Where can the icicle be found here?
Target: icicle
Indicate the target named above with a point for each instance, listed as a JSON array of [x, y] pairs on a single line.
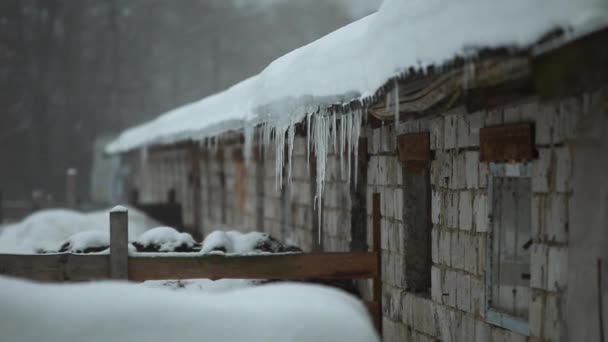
[[248, 144], [308, 133], [279, 138], [342, 144], [290, 139], [334, 128], [349, 129]]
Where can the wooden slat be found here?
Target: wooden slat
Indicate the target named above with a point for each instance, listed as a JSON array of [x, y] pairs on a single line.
[[55, 267], [513, 142], [414, 147], [356, 265]]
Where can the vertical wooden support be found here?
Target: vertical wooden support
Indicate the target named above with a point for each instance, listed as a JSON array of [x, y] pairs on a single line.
[[1, 207], [70, 189], [358, 195], [377, 282], [195, 179], [119, 243]]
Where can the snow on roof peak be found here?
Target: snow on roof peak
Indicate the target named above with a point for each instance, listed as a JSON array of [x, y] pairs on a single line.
[[355, 61]]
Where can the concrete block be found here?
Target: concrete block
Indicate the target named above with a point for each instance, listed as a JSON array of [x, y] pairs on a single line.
[[480, 212], [436, 198], [494, 117], [465, 328], [465, 217], [436, 133], [557, 270], [545, 124], [538, 266], [537, 216], [391, 302], [556, 218], [463, 300], [563, 169], [450, 129], [450, 288], [445, 247], [478, 304], [476, 122], [569, 114], [436, 284], [452, 209], [423, 319], [540, 171], [435, 245], [462, 131], [554, 327], [483, 175], [481, 253], [472, 169], [536, 313], [512, 114], [458, 179], [470, 253], [482, 331]]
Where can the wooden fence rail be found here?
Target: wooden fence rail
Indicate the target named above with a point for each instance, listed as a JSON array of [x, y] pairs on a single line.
[[119, 265]]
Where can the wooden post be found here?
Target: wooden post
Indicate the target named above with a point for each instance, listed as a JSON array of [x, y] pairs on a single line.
[[1, 207], [376, 222], [70, 189], [119, 243]]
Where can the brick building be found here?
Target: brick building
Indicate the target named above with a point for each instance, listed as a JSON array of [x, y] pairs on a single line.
[[491, 174]]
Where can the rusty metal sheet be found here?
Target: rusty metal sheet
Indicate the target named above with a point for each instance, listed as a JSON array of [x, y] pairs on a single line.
[[414, 147], [513, 142]]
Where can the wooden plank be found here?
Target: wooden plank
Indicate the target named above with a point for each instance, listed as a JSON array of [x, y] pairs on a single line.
[[119, 243], [356, 265], [377, 282], [414, 147], [513, 142], [55, 267]]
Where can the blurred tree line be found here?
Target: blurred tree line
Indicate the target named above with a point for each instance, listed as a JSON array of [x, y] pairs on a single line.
[[74, 70]]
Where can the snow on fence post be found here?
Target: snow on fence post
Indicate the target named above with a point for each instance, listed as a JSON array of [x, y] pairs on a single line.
[[119, 243]]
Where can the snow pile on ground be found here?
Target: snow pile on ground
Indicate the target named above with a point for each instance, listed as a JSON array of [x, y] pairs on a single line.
[[235, 242], [89, 241], [164, 239], [110, 311], [48, 230]]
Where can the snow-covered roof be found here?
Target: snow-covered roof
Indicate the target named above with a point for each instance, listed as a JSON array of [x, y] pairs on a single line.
[[352, 63]]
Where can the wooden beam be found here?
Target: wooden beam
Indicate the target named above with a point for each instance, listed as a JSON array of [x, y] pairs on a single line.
[[360, 265], [55, 267], [414, 147], [506, 143]]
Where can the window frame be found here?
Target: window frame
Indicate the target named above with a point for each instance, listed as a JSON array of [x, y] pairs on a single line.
[[494, 316]]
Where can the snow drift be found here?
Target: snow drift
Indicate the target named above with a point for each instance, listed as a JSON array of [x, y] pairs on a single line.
[[110, 311], [48, 230]]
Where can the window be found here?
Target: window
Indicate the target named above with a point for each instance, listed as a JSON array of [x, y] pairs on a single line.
[[508, 276]]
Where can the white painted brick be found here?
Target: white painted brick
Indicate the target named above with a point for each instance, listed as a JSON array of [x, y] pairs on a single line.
[[452, 209], [465, 211], [476, 122], [472, 169], [563, 169], [538, 266], [480, 213], [435, 207], [436, 133], [540, 171], [555, 219], [557, 271], [458, 179]]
